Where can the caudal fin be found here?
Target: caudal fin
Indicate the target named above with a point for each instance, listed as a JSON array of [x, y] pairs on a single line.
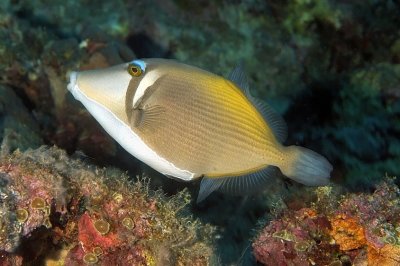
[[306, 166]]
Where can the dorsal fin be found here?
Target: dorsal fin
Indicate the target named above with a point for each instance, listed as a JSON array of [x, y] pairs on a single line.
[[237, 185], [273, 119], [238, 76]]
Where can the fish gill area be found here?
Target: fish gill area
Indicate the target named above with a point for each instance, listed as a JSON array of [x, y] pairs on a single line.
[[70, 195]]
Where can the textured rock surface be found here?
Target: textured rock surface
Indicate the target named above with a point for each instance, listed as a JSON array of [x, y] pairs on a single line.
[[57, 209], [354, 229]]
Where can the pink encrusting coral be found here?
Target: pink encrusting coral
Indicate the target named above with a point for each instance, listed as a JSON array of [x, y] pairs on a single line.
[[294, 239], [358, 229], [33, 201], [64, 212]]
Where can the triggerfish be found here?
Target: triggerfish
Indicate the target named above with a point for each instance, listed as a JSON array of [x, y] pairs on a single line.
[[188, 123]]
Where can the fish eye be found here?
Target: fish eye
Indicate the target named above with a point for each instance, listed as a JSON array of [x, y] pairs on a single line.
[[134, 70]]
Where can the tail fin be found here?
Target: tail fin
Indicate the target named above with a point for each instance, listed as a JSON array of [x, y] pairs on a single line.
[[306, 166]]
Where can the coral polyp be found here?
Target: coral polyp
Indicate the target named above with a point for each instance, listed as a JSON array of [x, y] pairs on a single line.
[[128, 223], [38, 203], [117, 197], [98, 251], [22, 215], [102, 226], [390, 239], [302, 246], [90, 258]]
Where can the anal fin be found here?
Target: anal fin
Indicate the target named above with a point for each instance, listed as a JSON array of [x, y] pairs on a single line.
[[238, 185]]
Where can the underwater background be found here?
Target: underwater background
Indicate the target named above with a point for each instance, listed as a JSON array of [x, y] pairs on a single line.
[[70, 195]]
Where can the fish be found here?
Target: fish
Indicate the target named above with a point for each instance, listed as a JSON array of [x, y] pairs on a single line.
[[188, 123]]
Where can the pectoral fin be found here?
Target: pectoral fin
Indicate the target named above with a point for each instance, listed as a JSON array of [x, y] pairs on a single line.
[[148, 117], [146, 113]]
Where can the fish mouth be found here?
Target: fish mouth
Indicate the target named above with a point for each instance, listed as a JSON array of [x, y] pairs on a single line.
[[72, 86]]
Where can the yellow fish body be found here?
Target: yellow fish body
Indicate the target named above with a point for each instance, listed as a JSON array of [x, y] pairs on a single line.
[[188, 123]]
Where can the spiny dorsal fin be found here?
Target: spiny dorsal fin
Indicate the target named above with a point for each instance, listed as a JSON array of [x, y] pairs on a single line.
[[273, 119], [238, 185]]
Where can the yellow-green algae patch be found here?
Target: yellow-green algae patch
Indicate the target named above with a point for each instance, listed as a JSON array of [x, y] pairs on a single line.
[[47, 223], [285, 235]]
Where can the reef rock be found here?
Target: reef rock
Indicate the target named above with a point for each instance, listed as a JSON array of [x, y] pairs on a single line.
[[357, 229], [55, 209]]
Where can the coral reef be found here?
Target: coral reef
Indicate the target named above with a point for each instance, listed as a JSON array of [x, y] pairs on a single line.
[[58, 210], [357, 229]]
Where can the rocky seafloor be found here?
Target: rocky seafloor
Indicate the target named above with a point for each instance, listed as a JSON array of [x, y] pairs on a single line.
[[331, 68]]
